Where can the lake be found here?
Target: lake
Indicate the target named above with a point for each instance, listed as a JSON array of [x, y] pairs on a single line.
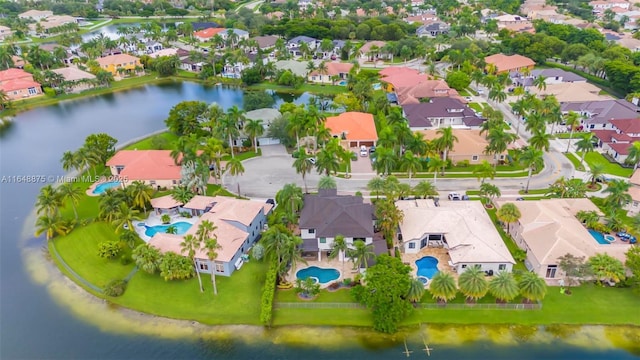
[[42, 316]]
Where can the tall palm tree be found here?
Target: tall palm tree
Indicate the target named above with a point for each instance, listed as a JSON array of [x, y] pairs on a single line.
[[360, 254], [540, 82], [410, 163], [509, 213], [443, 287], [572, 119], [182, 194], [376, 185], [291, 198], [416, 291], [327, 160], [385, 160], [212, 247], [70, 193], [472, 283], [303, 166], [146, 258], [69, 161], [446, 141], [190, 245], [327, 182], [339, 248], [389, 218], [532, 286], [499, 141], [540, 140], [503, 286], [425, 189], [230, 124], [484, 170], [49, 201], [531, 158], [235, 168], [125, 216], [634, 155], [489, 191], [585, 145], [618, 194], [596, 171], [434, 165], [140, 193], [51, 225], [254, 129]]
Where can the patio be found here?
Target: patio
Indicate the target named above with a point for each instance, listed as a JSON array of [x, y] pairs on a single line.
[[325, 263], [439, 253], [156, 219]]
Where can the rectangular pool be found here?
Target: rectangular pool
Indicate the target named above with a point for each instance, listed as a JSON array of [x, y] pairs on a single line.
[[598, 237]]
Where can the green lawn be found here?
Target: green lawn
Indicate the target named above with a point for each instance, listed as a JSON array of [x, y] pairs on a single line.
[[147, 144], [576, 136], [594, 157], [464, 92], [476, 106], [312, 88], [575, 161], [534, 191], [338, 296], [237, 302], [79, 250], [213, 190]]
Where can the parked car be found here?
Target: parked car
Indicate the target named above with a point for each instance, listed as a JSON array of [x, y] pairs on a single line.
[[455, 196], [372, 149], [363, 151], [312, 160]]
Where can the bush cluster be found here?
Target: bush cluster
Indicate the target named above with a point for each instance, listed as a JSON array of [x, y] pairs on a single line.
[[268, 293], [115, 288]]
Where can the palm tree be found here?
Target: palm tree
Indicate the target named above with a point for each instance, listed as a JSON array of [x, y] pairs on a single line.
[[212, 247], [472, 283], [140, 194], [327, 182], [69, 161], [190, 245], [443, 287], [182, 194], [339, 248], [376, 185], [508, 214], [540, 82], [70, 193], [361, 253], [445, 142], [503, 286], [228, 125], [588, 218], [532, 287], [499, 141], [484, 170], [49, 201], [634, 155], [489, 191], [385, 160], [291, 198], [532, 159], [596, 171], [540, 140], [146, 258], [51, 225], [434, 165], [125, 216], [291, 255], [425, 189], [327, 160], [416, 291], [572, 119], [303, 166], [235, 168], [410, 164], [389, 218], [618, 191], [254, 129], [585, 145]]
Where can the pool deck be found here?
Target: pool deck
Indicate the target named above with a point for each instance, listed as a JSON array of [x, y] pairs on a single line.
[[102, 180], [439, 253], [155, 219], [327, 264]]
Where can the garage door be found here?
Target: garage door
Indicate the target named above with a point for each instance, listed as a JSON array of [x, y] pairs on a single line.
[[366, 143], [268, 141]]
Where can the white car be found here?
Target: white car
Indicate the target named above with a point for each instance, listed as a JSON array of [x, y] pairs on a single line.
[[312, 160], [363, 151], [455, 196]]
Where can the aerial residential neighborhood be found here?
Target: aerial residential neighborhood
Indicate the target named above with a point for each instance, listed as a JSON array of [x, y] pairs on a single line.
[[367, 166]]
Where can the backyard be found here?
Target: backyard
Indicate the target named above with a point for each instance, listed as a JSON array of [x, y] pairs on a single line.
[[594, 157]]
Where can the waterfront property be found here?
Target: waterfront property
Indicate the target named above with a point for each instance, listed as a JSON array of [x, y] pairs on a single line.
[[153, 167], [19, 84], [549, 229], [326, 215], [411, 87], [334, 72], [120, 64], [76, 80], [354, 129], [323, 276], [238, 226]]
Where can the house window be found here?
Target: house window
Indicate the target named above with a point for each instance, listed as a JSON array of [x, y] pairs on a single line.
[[152, 182], [412, 245], [323, 240], [219, 268], [551, 271], [502, 267], [32, 91], [312, 231], [464, 266], [474, 158], [204, 266]]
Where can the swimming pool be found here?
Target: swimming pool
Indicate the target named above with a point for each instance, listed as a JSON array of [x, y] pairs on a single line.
[[600, 238], [377, 86], [343, 83], [101, 188], [427, 267], [323, 275], [181, 228]]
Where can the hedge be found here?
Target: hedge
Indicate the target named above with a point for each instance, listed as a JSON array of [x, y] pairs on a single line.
[[268, 293]]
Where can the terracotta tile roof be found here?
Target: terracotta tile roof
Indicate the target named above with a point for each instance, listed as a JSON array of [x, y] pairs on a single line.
[[165, 202], [18, 84], [335, 68], [402, 78], [635, 193], [146, 165], [426, 89], [508, 62], [117, 59], [355, 125], [73, 74], [469, 143], [208, 33], [12, 74], [635, 178], [627, 125], [367, 46], [620, 148]]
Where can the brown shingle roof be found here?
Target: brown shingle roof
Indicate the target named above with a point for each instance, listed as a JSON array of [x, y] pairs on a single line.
[[331, 214]]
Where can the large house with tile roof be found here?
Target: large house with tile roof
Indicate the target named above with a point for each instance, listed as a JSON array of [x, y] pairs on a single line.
[[549, 229], [462, 227], [208, 33], [326, 215], [238, 226], [509, 63], [410, 86], [471, 146], [596, 115], [76, 79], [119, 64], [18, 84], [617, 140], [354, 129], [441, 112], [153, 167], [336, 71]]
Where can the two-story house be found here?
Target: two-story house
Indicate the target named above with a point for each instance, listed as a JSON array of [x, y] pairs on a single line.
[[441, 112], [19, 84], [120, 64], [617, 140], [153, 167], [294, 44], [596, 115], [335, 72], [326, 215]]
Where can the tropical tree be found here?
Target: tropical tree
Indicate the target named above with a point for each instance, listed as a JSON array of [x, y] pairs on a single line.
[[290, 197], [618, 194], [443, 287], [191, 245], [125, 216], [376, 185], [540, 82], [303, 166], [182, 194], [140, 193], [634, 155], [229, 125], [339, 248], [531, 158], [385, 160], [585, 145], [51, 225], [147, 258], [508, 213], [327, 182], [472, 283], [532, 287], [254, 128], [503, 287], [49, 201], [425, 189], [595, 173], [416, 291], [607, 268], [540, 140], [445, 142], [434, 165], [572, 119], [499, 141], [410, 163], [290, 255], [235, 169], [489, 192], [484, 170], [327, 160], [389, 218], [72, 194], [211, 246], [574, 267], [588, 218], [360, 254]]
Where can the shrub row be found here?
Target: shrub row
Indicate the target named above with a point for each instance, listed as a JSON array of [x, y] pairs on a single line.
[[268, 293]]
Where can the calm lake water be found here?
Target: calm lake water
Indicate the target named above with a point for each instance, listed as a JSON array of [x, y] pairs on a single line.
[[37, 320]]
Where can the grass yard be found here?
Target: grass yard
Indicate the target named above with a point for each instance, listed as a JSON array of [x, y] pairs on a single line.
[[213, 190], [576, 135], [148, 143], [237, 302], [339, 296], [464, 92], [534, 191], [476, 106], [575, 161], [594, 157], [79, 250]]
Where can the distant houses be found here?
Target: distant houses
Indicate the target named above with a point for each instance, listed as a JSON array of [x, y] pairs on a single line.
[[509, 63], [616, 141], [18, 84]]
